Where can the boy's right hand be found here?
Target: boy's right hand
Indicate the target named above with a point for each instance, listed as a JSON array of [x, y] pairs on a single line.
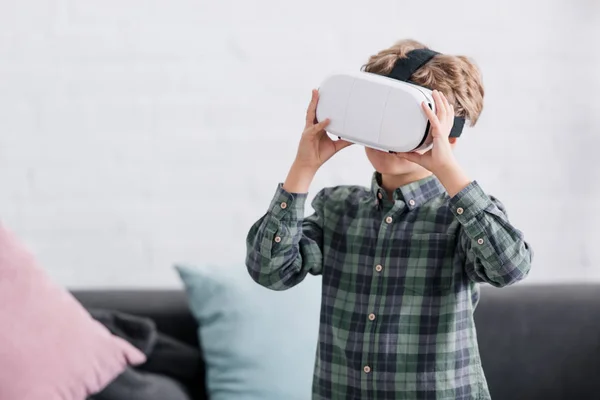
[[315, 146], [314, 150]]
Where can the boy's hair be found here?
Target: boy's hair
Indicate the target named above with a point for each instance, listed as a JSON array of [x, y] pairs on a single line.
[[456, 76]]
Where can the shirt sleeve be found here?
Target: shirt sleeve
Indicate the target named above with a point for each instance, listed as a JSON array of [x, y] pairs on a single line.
[[494, 250], [282, 247]]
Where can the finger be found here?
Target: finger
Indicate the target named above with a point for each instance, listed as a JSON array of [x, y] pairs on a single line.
[[312, 108], [451, 112], [449, 108], [319, 127], [341, 144], [440, 107], [451, 117], [430, 114]]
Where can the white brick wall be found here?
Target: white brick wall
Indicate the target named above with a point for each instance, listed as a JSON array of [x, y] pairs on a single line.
[[138, 133]]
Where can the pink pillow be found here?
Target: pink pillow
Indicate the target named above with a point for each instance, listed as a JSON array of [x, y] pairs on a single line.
[[50, 347]]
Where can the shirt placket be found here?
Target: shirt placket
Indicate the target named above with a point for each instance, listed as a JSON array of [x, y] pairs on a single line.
[[376, 296]]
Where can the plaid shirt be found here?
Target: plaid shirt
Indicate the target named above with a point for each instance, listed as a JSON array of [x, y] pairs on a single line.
[[399, 283]]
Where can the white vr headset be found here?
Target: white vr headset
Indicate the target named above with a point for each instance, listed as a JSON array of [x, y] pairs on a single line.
[[381, 112]]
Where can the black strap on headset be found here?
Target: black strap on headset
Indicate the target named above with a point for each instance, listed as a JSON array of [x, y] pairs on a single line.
[[414, 60], [406, 67]]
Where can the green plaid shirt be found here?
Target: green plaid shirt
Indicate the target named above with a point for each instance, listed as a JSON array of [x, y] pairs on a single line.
[[399, 283]]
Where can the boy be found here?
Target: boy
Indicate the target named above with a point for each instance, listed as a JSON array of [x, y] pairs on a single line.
[[401, 261]]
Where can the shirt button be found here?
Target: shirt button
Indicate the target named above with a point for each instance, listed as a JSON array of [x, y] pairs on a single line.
[[277, 239], [378, 268], [367, 369], [284, 205], [480, 241], [380, 196], [412, 202], [388, 220], [372, 317], [459, 210]]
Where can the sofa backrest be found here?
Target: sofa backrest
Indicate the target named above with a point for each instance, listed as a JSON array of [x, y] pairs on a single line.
[[540, 341], [536, 341]]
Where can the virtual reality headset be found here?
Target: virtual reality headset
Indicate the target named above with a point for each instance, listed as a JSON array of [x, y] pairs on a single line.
[[382, 112]]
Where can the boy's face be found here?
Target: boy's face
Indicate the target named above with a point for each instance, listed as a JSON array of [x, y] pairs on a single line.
[[389, 164]]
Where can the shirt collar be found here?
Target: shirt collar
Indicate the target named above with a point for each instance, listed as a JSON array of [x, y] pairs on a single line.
[[413, 194]]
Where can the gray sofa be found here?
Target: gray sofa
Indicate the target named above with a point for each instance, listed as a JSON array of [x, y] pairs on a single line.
[[537, 342]]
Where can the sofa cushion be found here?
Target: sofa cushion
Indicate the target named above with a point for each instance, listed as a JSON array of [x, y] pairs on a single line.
[[50, 347], [257, 343], [169, 310]]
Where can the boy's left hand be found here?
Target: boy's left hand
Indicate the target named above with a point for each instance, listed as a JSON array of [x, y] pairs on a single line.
[[440, 159], [441, 156]]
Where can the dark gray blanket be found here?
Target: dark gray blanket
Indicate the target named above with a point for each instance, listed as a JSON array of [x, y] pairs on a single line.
[[170, 368]]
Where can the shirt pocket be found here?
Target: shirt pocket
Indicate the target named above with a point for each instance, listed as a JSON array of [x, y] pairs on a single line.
[[426, 262]]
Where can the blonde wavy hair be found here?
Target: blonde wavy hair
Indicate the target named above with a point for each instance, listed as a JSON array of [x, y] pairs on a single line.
[[456, 76]]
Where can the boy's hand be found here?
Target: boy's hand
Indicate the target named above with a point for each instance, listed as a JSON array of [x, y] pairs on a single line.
[[441, 156], [440, 159], [315, 146], [314, 150]]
